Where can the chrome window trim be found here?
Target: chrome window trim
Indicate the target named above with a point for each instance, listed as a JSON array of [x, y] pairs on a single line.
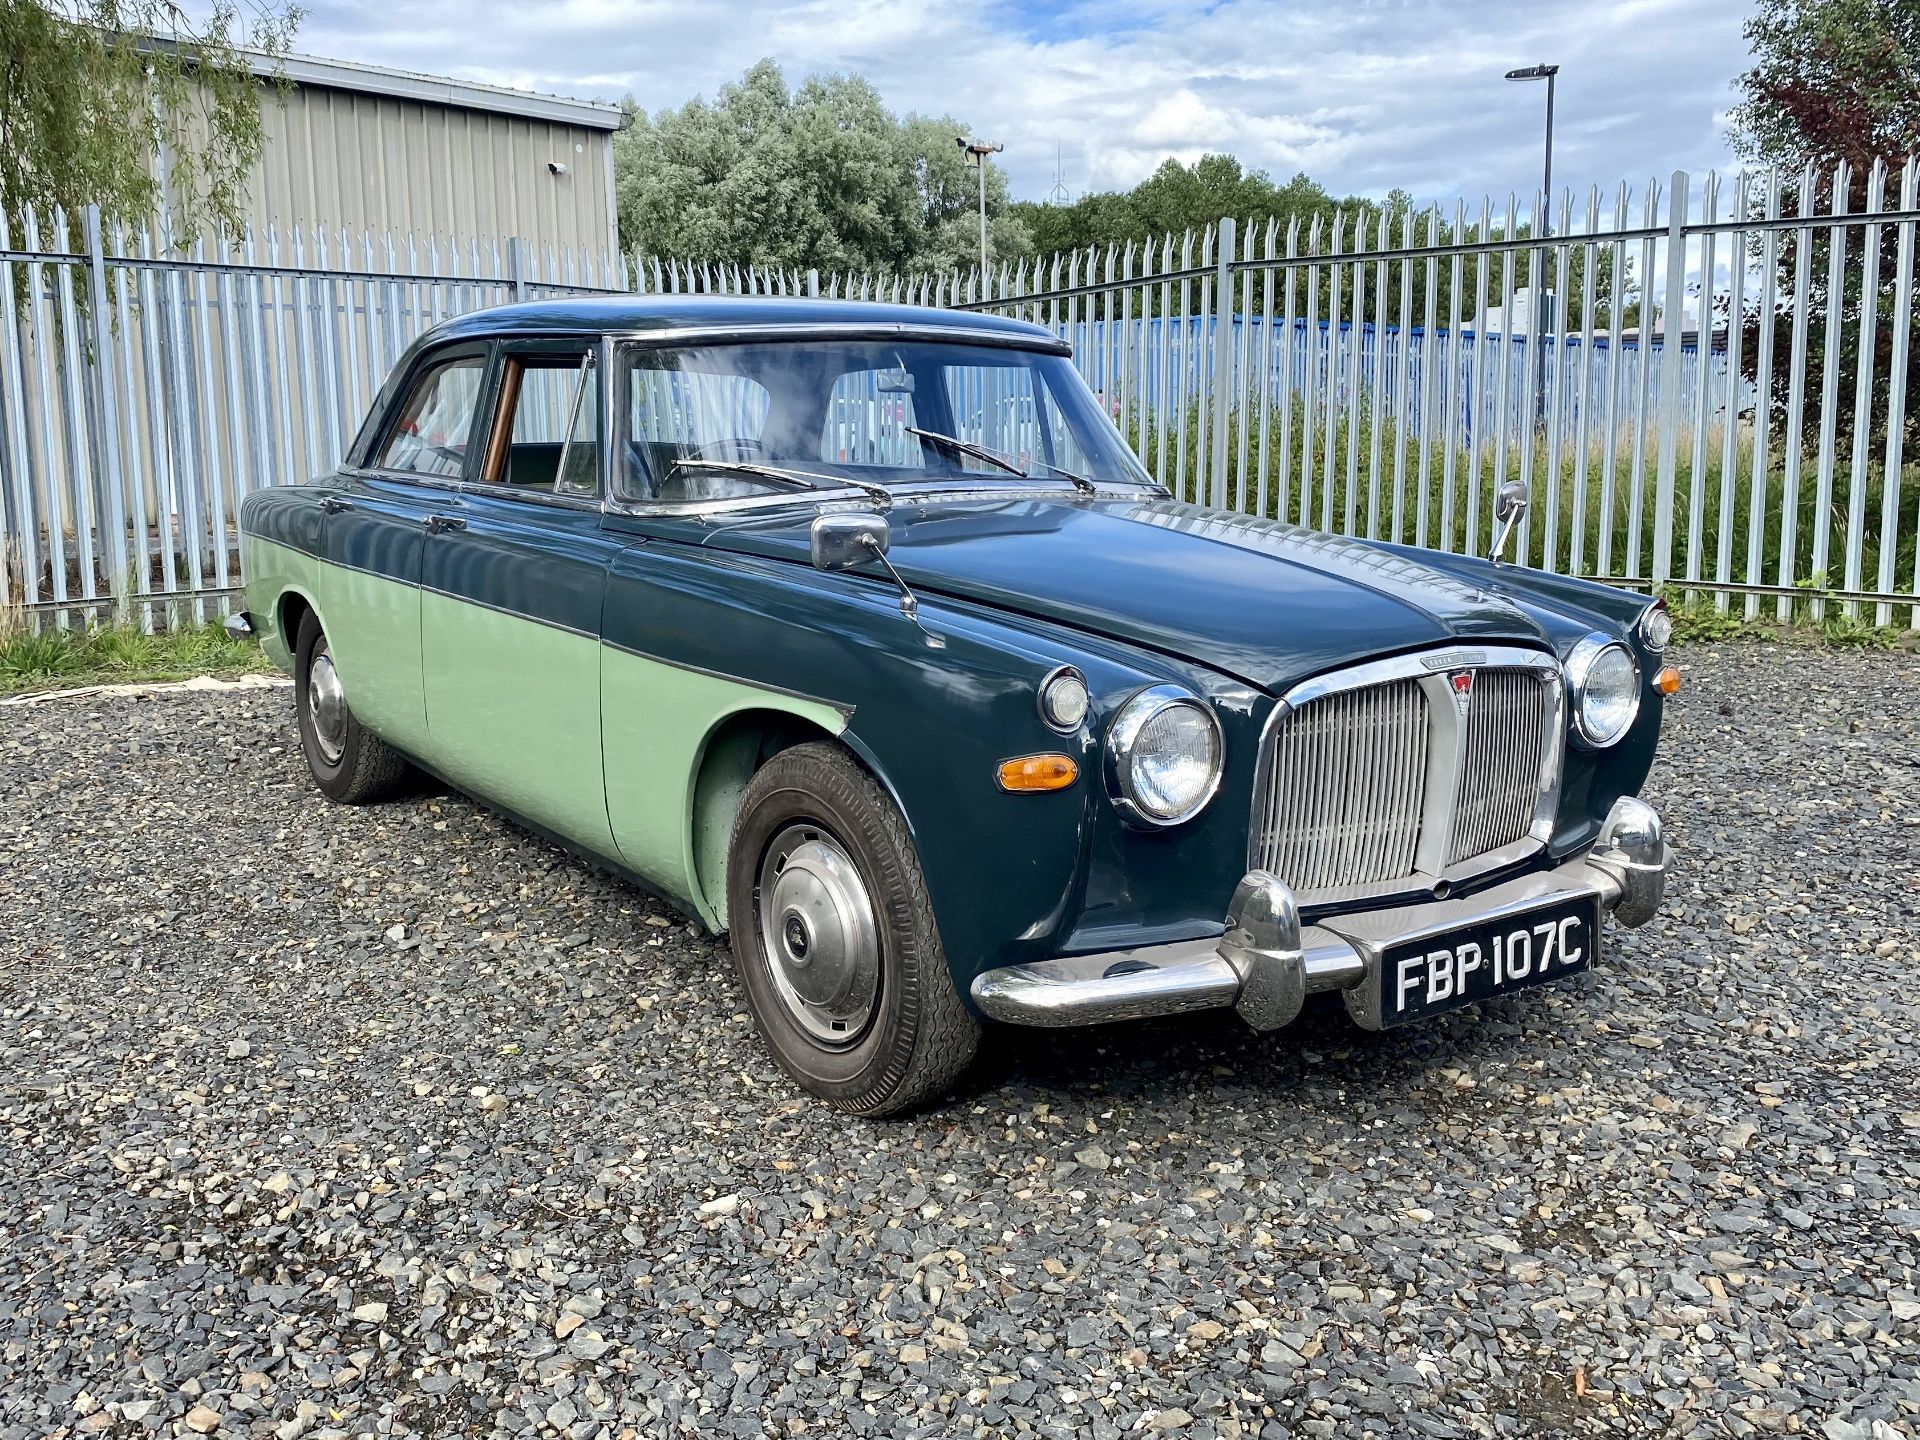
[[477, 487], [1128, 719], [679, 335], [1431, 667], [919, 490], [619, 502]]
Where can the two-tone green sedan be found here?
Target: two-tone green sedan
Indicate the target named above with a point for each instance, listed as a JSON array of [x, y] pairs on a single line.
[[857, 632]]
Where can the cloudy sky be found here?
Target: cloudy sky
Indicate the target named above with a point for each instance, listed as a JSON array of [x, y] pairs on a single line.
[[1363, 95]]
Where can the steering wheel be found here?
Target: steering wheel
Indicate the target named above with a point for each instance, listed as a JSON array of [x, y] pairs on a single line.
[[730, 448]]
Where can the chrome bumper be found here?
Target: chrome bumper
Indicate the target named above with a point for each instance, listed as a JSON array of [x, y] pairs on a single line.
[[1267, 963]]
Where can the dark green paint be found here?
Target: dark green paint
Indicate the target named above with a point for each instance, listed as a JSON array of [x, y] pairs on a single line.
[[1133, 592]]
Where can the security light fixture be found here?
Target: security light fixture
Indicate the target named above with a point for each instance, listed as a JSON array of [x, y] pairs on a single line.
[[977, 152], [1546, 73]]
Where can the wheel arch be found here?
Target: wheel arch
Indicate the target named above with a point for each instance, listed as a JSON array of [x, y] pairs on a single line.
[[733, 750], [289, 607]]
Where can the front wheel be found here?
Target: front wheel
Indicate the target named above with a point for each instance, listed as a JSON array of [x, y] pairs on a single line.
[[834, 939], [349, 762]]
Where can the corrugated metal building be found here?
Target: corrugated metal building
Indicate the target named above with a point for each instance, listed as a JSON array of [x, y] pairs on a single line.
[[362, 148]]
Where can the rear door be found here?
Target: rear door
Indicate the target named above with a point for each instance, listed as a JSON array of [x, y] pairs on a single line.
[[375, 533], [514, 574]]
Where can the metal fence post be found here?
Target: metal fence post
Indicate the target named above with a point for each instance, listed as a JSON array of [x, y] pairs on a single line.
[[813, 283], [1222, 358], [1672, 331], [517, 267], [111, 512]]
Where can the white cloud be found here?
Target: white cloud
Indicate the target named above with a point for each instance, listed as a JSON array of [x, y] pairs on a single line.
[[1363, 95]]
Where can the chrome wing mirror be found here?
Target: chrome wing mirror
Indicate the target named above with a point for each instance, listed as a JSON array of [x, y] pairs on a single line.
[[849, 539], [840, 542], [1508, 508]]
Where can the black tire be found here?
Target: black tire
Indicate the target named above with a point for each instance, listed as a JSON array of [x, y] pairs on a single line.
[[919, 1037], [366, 768]]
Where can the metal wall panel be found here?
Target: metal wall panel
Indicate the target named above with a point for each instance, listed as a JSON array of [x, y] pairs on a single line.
[[339, 159]]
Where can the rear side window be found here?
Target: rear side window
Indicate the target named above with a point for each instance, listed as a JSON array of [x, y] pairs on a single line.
[[431, 435]]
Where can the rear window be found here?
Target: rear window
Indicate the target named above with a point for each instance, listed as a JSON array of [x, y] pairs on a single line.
[[436, 423]]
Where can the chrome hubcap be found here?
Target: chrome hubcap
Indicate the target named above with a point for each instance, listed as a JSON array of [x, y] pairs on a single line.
[[818, 929], [326, 707]]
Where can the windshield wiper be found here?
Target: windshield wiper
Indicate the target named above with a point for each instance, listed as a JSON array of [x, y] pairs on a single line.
[[779, 472], [992, 457]]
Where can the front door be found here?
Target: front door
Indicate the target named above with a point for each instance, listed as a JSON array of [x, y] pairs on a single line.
[[375, 534], [513, 577]]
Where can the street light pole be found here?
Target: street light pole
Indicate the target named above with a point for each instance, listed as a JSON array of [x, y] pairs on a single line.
[[1538, 288], [976, 152]]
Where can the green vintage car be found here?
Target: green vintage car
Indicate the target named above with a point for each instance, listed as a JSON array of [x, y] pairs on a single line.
[[857, 632]]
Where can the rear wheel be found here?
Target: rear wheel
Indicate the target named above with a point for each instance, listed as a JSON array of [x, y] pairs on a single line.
[[348, 761], [834, 938]]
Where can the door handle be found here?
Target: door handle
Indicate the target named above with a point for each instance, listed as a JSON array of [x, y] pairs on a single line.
[[440, 524], [333, 505]]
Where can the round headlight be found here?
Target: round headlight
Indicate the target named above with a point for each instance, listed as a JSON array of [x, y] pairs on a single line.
[[1656, 627], [1604, 682], [1063, 700], [1164, 755]]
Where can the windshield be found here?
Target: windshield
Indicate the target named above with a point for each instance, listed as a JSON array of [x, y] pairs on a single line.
[[706, 422]]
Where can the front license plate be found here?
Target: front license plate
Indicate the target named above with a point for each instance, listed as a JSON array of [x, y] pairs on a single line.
[[1437, 973]]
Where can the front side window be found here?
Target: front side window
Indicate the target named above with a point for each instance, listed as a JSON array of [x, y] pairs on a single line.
[[711, 422], [545, 432], [431, 435]]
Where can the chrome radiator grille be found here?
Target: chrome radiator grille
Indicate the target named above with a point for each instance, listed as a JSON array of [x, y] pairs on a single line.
[[1500, 779], [1348, 778], [1383, 782]]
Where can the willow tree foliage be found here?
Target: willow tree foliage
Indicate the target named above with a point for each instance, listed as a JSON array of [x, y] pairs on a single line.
[[93, 92], [821, 176]]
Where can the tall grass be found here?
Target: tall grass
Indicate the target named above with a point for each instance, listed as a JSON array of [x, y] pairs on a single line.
[[1419, 493], [47, 659]]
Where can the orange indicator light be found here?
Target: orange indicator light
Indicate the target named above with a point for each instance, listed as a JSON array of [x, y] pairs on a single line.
[[1667, 682], [1038, 772]]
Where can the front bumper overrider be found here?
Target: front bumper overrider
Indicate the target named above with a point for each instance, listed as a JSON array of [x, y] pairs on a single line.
[[1267, 962]]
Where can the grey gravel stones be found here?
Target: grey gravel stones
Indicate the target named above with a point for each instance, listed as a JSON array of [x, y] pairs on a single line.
[[325, 1122]]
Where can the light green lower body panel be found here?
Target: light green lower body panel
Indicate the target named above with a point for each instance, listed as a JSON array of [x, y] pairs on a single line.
[[273, 571], [521, 715], [513, 714], [373, 632], [672, 801]]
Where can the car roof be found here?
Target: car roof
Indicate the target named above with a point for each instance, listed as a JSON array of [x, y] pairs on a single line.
[[644, 314]]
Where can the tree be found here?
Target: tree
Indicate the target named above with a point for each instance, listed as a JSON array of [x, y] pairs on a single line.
[[1833, 82], [1174, 199], [92, 91], [819, 177], [1179, 198]]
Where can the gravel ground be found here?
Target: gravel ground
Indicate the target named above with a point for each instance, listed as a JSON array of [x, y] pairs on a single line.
[[333, 1122]]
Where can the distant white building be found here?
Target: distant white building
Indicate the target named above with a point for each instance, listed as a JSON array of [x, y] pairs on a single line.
[[1494, 321]]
